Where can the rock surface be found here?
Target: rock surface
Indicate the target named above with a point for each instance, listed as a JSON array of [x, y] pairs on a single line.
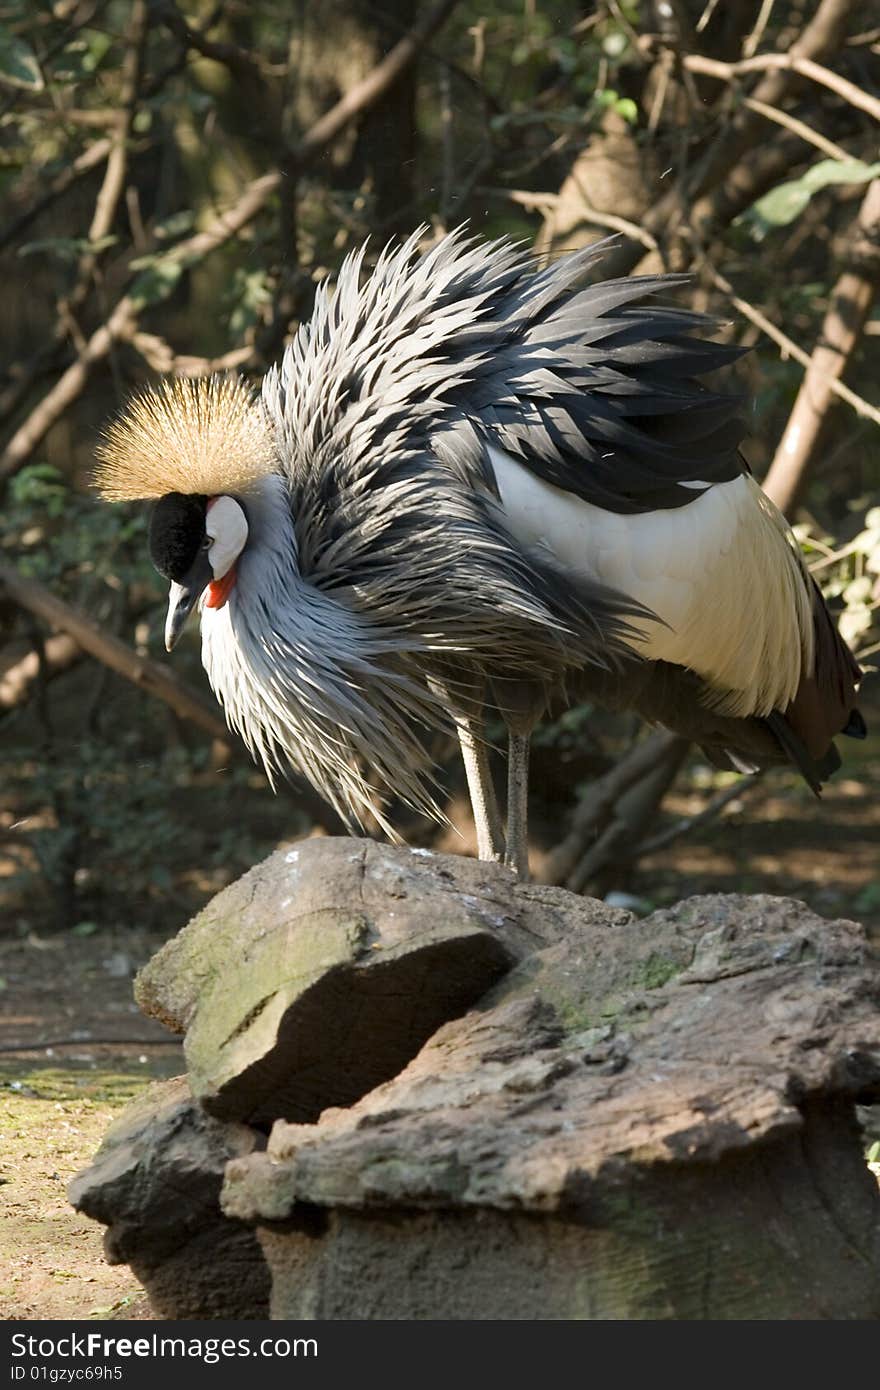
[[675, 1039], [322, 971], [155, 1184], [648, 1119], [500, 1100]]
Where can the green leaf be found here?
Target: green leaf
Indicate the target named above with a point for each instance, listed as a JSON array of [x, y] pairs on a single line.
[[172, 228], [624, 106], [157, 281], [18, 63], [97, 45], [41, 487], [248, 294], [787, 201], [839, 171], [67, 248]]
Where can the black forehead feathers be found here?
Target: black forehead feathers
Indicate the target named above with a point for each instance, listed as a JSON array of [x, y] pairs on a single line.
[[177, 530]]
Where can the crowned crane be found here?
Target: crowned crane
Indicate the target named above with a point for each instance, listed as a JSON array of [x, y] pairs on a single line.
[[471, 484]]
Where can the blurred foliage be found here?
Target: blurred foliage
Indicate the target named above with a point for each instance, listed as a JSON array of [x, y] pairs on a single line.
[[783, 204], [114, 803], [850, 573], [60, 537]]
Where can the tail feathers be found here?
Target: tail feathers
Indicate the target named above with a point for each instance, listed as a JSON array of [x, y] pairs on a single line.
[[814, 770], [673, 696], [855, 726], [824, 705]]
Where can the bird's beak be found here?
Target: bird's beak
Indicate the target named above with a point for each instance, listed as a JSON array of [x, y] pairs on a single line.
[[183, 597]]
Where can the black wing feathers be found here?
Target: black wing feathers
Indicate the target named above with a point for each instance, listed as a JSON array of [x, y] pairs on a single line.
[[598, 393]]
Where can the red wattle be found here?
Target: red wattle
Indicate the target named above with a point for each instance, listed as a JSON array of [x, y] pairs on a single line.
[[220, 589]]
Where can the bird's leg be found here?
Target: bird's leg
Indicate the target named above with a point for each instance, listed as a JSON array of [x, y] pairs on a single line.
[[487, 818], [521, 704], [475, 756], [517, 856]]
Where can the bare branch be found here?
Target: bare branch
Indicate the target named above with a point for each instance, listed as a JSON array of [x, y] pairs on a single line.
[[597, 807], [66, 389], [753, 40], [547, 201], [800, 128], [739, 789], [238, 60], [368, 91], [523, 197], [836, 337], [59, 652], [787, 63], [58, 186], [633, 811], [117, 164], [140, 670], [848, 308], [702, 197], [160, 355], [116, 150], [122, 321], [113, 183]]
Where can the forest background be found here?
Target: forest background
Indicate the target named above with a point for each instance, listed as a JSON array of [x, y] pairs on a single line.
[[176, 179]]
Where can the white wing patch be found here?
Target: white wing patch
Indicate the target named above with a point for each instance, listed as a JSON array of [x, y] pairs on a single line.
[[721, 573]]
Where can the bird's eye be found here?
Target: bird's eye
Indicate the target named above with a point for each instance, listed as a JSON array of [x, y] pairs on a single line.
[[207, 543]]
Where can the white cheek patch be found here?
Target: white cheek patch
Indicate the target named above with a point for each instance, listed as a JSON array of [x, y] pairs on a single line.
[[226, 527]]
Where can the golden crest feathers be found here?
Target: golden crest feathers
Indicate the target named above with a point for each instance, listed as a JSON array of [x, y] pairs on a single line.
[[204, 435]]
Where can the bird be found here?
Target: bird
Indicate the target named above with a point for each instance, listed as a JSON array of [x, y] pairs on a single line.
[[474, 485]]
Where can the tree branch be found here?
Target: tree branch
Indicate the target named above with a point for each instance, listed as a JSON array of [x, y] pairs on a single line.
[[122, 321], [239, 61], [140, 670], [16, 681], [66, 178], [66, 389], [686, 824], [632, 812], [596, 809], [786, 63], [113, 182], [806, 132], [376, 83], [849, 306], [694, 207], [789, 347]]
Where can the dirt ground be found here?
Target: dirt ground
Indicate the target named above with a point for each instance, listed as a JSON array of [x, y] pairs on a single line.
[[82, 1052], [74, 1048]]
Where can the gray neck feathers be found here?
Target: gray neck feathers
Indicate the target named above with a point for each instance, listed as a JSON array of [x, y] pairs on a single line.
[[307, 683], [326, 654], [379, 561]]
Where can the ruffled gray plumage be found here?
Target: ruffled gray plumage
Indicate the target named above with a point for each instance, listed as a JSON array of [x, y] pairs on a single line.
[[399, 569]]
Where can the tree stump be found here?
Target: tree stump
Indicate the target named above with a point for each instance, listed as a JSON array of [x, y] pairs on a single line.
[[617, 1118]]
